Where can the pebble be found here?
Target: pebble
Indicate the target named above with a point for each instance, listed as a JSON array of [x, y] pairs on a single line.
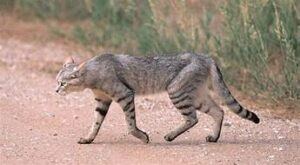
[[227, 124], [280, 137], [49, 114], [271, 157], [75, 117], [55, 134]]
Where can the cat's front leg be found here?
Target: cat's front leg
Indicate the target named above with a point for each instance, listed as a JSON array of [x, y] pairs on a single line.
[[99, 115]]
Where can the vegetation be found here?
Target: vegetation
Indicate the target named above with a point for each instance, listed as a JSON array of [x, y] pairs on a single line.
[[257, 41]]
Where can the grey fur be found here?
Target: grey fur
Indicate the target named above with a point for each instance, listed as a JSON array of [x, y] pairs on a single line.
[[120, 77]]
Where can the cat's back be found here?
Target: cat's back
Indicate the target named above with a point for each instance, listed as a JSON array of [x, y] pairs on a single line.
[[144, 74], [152, 74]]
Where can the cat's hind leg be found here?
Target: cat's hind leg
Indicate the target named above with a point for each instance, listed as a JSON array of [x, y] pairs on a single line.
[[182, 100], [210, 107]]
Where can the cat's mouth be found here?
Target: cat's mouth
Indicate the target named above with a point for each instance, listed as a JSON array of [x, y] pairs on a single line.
[[60, 89], [62, 93], [64, 89]]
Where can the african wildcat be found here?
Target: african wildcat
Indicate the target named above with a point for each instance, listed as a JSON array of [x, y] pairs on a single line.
[[120, 77]]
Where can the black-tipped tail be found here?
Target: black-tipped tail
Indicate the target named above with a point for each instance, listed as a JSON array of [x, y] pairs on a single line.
[[254, 118], [223, 91]]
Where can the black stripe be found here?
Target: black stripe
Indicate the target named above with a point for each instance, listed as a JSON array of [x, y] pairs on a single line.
[[131, 110], [182, 91], [187, 113], [239, 110], [226, 93], [190, 90], [199, 107], [231, 102], [219, 72], [98, 99], [125, 82], [207, 110], [102, 111], [247, 114], [127, 106], [184, 106], [199, 80], [180, 99], [112, 95], [173, 96], [124, 97]]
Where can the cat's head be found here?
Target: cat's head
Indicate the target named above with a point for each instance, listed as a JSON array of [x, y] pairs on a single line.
[[69, 78]]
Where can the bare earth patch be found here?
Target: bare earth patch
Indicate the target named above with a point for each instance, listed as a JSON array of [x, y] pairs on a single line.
[[39, 127]]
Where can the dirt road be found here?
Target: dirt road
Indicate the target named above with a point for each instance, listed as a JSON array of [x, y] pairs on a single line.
[[39, 127]]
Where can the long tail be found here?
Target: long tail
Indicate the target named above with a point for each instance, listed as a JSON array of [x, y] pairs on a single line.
[[222, 90]]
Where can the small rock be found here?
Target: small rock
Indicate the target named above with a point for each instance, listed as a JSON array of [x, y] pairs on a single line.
[[55, 134], [280, 137], [271, 157], [49, 114], [227, 124], [30, 129], [280, 149], [75, 117]]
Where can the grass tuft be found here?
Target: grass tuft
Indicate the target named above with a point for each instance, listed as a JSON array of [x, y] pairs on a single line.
[[256, 41]]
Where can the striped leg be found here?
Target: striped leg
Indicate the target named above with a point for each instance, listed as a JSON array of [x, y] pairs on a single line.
[[183, 103], [211, 108], [126, 101], [99, 115]]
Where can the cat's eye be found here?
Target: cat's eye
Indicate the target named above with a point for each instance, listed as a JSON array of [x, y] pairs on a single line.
[[63, 83]]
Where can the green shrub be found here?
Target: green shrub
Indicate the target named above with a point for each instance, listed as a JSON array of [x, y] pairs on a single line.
[[257, 41], [261, 36]]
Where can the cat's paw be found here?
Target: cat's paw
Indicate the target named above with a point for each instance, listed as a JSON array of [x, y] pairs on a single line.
[[210, 138], [146, 138], [84, 141], [143, 136], [169, 137]]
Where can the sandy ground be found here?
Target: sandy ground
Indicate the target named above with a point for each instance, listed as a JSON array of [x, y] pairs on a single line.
[[39, 127]]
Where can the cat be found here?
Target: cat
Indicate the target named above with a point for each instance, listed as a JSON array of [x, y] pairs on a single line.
[[185, 77]]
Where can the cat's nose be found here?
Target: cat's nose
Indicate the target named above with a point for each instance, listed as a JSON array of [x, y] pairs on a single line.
[[57, 89]]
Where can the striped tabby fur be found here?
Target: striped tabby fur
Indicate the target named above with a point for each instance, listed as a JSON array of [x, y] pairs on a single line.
[[120, 78]]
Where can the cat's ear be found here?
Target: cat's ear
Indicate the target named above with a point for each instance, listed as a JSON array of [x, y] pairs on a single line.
[[78, 68], [80, 65], [68, 61]]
